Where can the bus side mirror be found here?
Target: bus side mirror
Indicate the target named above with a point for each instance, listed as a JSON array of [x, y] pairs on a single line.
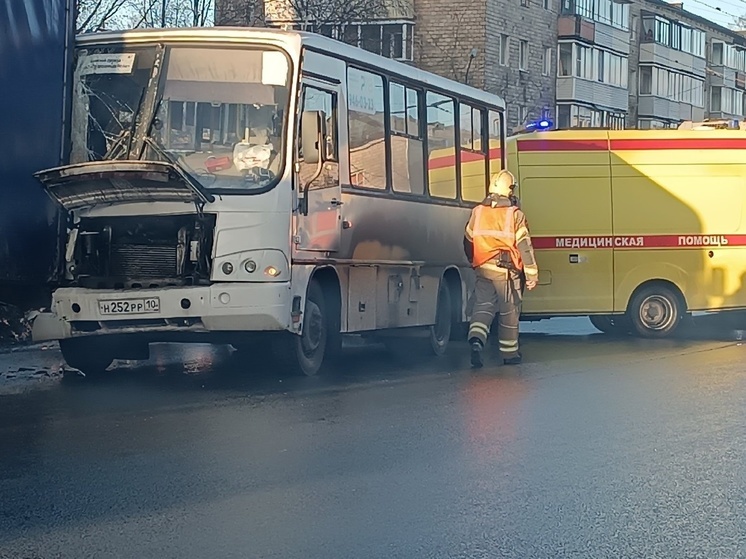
[[312, 138], [312, 144]]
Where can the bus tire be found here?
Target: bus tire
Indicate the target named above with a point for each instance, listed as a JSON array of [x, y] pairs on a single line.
[[440, 332], [89, 357], [304, 353], [615, 325], [655, 311]]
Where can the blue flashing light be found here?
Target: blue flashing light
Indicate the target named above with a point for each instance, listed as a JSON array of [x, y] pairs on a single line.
[[543, 124]]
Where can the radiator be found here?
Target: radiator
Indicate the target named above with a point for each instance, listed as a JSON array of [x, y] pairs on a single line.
[[143, 261]]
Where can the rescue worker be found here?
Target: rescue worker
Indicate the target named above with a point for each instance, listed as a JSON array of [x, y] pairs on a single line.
[[498, 245]]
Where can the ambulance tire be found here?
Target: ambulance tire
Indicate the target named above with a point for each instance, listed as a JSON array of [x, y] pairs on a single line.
[[614, 325], [655, 311], [90, 357], [304, 354]]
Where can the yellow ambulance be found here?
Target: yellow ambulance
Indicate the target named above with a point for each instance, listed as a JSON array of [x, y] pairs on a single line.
[[635, 228]]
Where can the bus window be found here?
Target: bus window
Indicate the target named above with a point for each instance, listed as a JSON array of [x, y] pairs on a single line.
[[495, 124], [367, 129], [407, 165], [441, 146], [472, 155]]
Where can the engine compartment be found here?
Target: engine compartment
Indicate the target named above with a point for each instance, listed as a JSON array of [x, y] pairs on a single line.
[[132, 252]]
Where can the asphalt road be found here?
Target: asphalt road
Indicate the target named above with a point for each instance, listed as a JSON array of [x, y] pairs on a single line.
[[594, 447]]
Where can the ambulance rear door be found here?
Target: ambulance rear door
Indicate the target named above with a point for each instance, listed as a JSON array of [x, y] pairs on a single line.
[[565, 191]]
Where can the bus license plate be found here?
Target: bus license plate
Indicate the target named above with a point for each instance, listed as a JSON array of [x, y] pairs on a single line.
[[130, 306]]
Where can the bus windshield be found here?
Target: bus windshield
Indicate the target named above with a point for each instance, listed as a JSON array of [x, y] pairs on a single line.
[[219, 116]]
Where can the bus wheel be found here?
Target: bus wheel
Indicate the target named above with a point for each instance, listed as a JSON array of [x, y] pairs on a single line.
[[306, 352], [89, 357], [610, 324], [440, 332], [655, 311]]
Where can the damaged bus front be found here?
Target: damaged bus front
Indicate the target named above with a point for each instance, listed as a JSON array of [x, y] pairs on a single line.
[[178, 194]]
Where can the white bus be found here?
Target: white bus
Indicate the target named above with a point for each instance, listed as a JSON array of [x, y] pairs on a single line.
[[246, 186]]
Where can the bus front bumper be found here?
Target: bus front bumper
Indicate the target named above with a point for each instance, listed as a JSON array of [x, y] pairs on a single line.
[[226, 307]]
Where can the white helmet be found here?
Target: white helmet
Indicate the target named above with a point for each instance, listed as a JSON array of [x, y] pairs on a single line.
[[502, 183]]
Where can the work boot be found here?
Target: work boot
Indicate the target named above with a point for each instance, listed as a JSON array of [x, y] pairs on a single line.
[[515, 360], [476, 354]]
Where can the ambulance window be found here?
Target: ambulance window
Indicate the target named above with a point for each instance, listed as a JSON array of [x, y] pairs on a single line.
[[441, 146], [472, 153]]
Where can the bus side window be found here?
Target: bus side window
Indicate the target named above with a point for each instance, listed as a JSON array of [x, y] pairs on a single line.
[[495, 144], [472, 153], [441, 146], [406, 145], [367, 129]]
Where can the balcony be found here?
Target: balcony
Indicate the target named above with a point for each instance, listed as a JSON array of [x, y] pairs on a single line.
[[599, 94], [661, 55], [650, 106], [576, 27]]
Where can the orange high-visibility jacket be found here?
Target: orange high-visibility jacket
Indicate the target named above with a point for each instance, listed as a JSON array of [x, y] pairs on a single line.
[[495, 226]]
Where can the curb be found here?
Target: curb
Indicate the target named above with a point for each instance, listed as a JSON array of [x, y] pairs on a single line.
[[22, 348]]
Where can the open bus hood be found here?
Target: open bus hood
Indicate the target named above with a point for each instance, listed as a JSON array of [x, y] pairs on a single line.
[[118, 182]]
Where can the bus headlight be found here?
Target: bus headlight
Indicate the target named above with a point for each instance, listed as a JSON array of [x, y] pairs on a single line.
[[257, 265]]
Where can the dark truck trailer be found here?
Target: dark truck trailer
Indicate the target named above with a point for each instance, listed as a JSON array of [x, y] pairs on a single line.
[[36, 42]]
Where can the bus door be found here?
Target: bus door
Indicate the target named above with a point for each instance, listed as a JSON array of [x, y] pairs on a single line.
[[320, 229]]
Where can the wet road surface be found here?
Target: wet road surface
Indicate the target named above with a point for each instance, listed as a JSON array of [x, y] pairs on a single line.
[[594, 447]]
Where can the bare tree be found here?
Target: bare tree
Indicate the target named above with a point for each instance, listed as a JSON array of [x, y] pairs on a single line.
[[313, 15], [171, 13], [310, 15], [98, 15]]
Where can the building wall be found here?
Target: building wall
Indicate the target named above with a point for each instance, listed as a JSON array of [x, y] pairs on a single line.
[[447, 32]]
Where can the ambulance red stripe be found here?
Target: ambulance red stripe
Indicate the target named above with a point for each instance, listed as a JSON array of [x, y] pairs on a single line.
[[526, 146], [595, 242]]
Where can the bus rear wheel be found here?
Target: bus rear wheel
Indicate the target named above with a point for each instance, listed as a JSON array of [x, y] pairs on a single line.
[[615, 325], [304, 354], [655, 311]]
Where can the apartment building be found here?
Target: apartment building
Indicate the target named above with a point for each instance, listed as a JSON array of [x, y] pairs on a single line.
[[690, 68], [385, 27]]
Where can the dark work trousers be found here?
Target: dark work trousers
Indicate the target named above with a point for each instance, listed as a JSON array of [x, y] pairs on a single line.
[[500, 291]]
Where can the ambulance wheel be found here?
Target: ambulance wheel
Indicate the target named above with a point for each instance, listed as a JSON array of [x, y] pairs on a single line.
[[304, 354], [615, 325], [655, 311], [440, 332], [90, 357]]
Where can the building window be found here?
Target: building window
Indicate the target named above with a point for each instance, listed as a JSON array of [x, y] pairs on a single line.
[[656, 29], [646, 80], [523, 55], [608, 12], [547, 62], [564, 63], [578, 116], [389, 39], [504, 50], [522, 114], [547, 5]]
